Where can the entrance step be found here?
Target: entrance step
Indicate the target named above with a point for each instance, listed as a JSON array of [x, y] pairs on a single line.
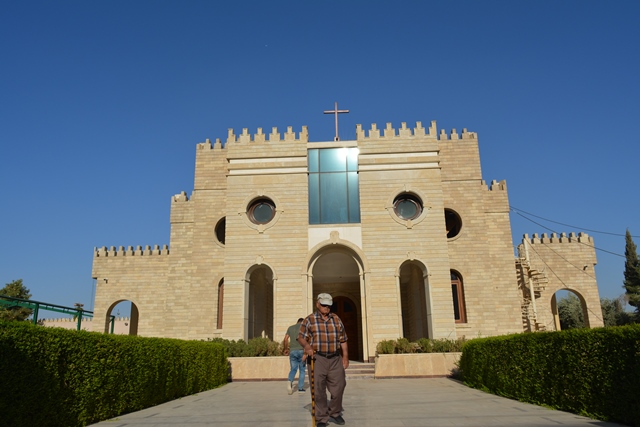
[[360, 371]]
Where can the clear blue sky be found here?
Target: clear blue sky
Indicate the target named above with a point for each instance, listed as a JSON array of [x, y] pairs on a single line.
[[103, 102]]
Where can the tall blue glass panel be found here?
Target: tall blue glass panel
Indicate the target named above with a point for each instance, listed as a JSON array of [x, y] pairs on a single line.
[[333, 186], [354, 197], [312, 159], [314, 198], [333, 160], [333, 198], [352, 159]]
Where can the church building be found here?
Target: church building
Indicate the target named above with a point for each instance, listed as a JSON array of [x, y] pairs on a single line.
[[397, 225]]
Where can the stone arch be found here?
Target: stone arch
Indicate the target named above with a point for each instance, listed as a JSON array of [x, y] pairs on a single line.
[[414, 302], [339, 268], [134, 317], [260, 282], [587, 314], [339, 243]]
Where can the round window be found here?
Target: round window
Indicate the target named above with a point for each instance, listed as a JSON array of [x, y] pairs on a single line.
[[261, 211], [452, 222], [407, 206]]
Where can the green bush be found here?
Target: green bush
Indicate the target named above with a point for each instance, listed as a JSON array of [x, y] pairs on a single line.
[[403, 346], [447, 346], [423, 345], [264, 347], [591, 372], [75, 378], [426, 345], [256, 347], [386, 347]]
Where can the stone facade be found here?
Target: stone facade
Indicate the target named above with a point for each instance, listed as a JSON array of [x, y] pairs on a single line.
[[229, 274]]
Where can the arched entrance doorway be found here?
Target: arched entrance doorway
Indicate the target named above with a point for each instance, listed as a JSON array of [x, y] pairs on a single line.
[[345, 308], [337, 270]]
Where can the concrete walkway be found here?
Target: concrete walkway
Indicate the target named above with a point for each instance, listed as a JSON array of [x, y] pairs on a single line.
[[367, 403]]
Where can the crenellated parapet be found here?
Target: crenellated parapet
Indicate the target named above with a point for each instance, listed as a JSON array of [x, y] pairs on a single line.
[[181, 208], [261, 146], [207, 145], [495, 196], [112, 252], [562, 238], [181, 197], [273, 138], [454, 136], [418, 132], [390, 133], [496, 185]]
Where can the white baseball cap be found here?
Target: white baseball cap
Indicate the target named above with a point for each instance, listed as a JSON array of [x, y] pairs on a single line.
[[325, 299]]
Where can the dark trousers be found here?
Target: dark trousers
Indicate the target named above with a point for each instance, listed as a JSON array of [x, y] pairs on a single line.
[[328, 375]]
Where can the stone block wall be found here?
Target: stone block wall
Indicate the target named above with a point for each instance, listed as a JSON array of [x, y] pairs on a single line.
[[176, 293]]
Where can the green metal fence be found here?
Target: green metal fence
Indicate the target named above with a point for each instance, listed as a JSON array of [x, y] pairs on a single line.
[[36, 306]]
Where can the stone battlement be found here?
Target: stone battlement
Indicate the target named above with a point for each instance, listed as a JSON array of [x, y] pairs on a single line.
[[75, 321], [453, 136], [138, 251], [217, 145], [389, 132], [259, 137], [554, 238], [65, 320], [181, 197], [496, 185]]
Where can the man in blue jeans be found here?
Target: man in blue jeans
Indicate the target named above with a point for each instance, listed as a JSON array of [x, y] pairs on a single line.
[[297, 356]]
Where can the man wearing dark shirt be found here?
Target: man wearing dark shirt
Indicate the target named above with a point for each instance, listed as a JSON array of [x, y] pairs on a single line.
[[322, 336]]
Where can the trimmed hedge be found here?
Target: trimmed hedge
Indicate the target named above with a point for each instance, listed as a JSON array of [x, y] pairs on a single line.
[[58, 377], [591, 372]]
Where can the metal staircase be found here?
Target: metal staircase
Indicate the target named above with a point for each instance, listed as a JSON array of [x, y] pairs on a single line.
[[533, 282]]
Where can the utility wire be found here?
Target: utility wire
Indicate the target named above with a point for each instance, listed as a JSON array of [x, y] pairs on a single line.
[[563, 284], [553, 231], [516, 210], [580, 269]]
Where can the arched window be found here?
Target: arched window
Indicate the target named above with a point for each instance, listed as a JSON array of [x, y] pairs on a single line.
[[413, 302], [457, 292], [260, 304], [220, 303]]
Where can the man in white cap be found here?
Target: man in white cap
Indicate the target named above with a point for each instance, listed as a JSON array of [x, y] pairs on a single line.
[[322, 334]]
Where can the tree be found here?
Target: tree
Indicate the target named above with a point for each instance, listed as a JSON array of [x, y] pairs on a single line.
[[15, 289], [570, 312], [632, 273], [614, 313]]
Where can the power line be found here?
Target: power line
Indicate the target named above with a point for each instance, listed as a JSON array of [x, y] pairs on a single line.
[[561, 281], [554, 231], [516, 210], [568, 262]]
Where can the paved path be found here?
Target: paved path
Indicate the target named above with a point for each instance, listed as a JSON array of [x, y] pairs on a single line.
[[367, 403]]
